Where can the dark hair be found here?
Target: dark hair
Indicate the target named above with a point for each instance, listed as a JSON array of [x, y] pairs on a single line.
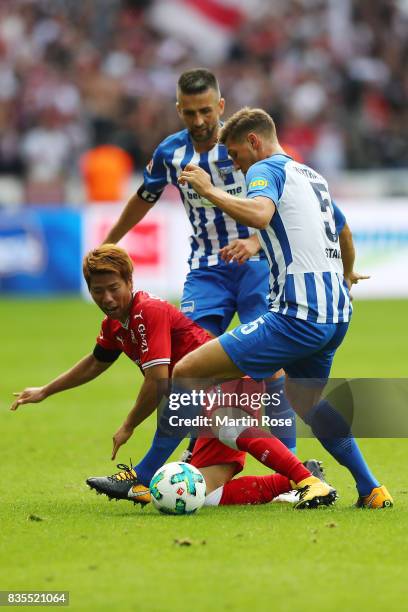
[[245, 121], [107, 258], [197, 81]]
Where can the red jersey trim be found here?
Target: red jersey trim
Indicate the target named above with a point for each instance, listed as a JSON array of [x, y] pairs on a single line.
[[154, 362]]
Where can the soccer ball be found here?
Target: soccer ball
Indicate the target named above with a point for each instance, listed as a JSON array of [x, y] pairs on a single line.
[[177, 488]]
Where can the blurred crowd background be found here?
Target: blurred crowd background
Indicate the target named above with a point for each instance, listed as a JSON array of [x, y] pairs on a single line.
[[76, 74]]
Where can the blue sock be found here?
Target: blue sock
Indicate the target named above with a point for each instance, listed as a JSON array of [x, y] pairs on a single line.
[[166, 439], [287, 434], [160, 450], [335, 435]]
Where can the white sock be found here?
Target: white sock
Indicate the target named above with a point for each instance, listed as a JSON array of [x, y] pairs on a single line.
[[214, 498]]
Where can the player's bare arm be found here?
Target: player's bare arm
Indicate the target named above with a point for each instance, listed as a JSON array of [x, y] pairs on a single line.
[[145, 405], [135, 209], [241, 249], [253, 212], [82, 372], [348, 256]]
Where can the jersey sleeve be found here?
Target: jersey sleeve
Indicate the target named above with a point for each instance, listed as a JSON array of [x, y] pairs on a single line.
[[339, 217], [153, 335], [267, 178], [155, 174], [106, 339]]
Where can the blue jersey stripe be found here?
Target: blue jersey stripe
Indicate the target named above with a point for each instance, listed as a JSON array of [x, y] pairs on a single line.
[[219, 219], [243, 231], [272, 262], [328, 287], [188, 155], [220, 226], [282, 302], [346, 290], [224, 165], [341, 302], [193, 241], [290, 296], [281, 235], [203, 231], [168, 152], [187, 158], [311, 295]]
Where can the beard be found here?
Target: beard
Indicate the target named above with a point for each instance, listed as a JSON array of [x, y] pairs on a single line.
[[203, 135]]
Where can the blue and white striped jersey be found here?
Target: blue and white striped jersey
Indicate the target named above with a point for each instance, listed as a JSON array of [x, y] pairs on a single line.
[[212, 228], [301, 242]]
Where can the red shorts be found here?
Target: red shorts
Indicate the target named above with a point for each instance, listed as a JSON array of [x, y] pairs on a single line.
[[210, 451]]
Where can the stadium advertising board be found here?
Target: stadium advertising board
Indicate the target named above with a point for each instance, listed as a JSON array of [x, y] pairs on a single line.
[[380, 232], [41, 248], [158, 245], [40, 251]]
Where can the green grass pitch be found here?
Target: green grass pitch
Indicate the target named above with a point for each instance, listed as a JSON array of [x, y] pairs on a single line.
[[113, 556]]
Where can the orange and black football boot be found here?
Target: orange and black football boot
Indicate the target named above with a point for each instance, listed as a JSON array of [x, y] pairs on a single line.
[[122, 485], [378, 498]]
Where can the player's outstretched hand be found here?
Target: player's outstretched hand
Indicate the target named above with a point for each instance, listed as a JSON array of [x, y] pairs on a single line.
[[239, 250], [121, 437], [354, 278], [197, 177], [31, 395]]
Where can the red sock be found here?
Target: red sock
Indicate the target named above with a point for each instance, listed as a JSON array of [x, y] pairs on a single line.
[[271, 452], [254, 489]]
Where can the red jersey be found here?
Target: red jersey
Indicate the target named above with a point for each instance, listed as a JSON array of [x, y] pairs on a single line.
[[156, 333]]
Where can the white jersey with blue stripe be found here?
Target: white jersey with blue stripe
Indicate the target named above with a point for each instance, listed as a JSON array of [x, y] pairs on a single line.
[[301, 242], [212, 228]]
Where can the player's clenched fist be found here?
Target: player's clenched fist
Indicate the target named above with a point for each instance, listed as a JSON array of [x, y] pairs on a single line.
[[197, 177], [31, 395]]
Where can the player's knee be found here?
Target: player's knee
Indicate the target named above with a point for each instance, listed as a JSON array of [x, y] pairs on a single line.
[[228, 435]]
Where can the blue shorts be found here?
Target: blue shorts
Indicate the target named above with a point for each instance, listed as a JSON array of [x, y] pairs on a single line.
[[274, 341], [225, 289]]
